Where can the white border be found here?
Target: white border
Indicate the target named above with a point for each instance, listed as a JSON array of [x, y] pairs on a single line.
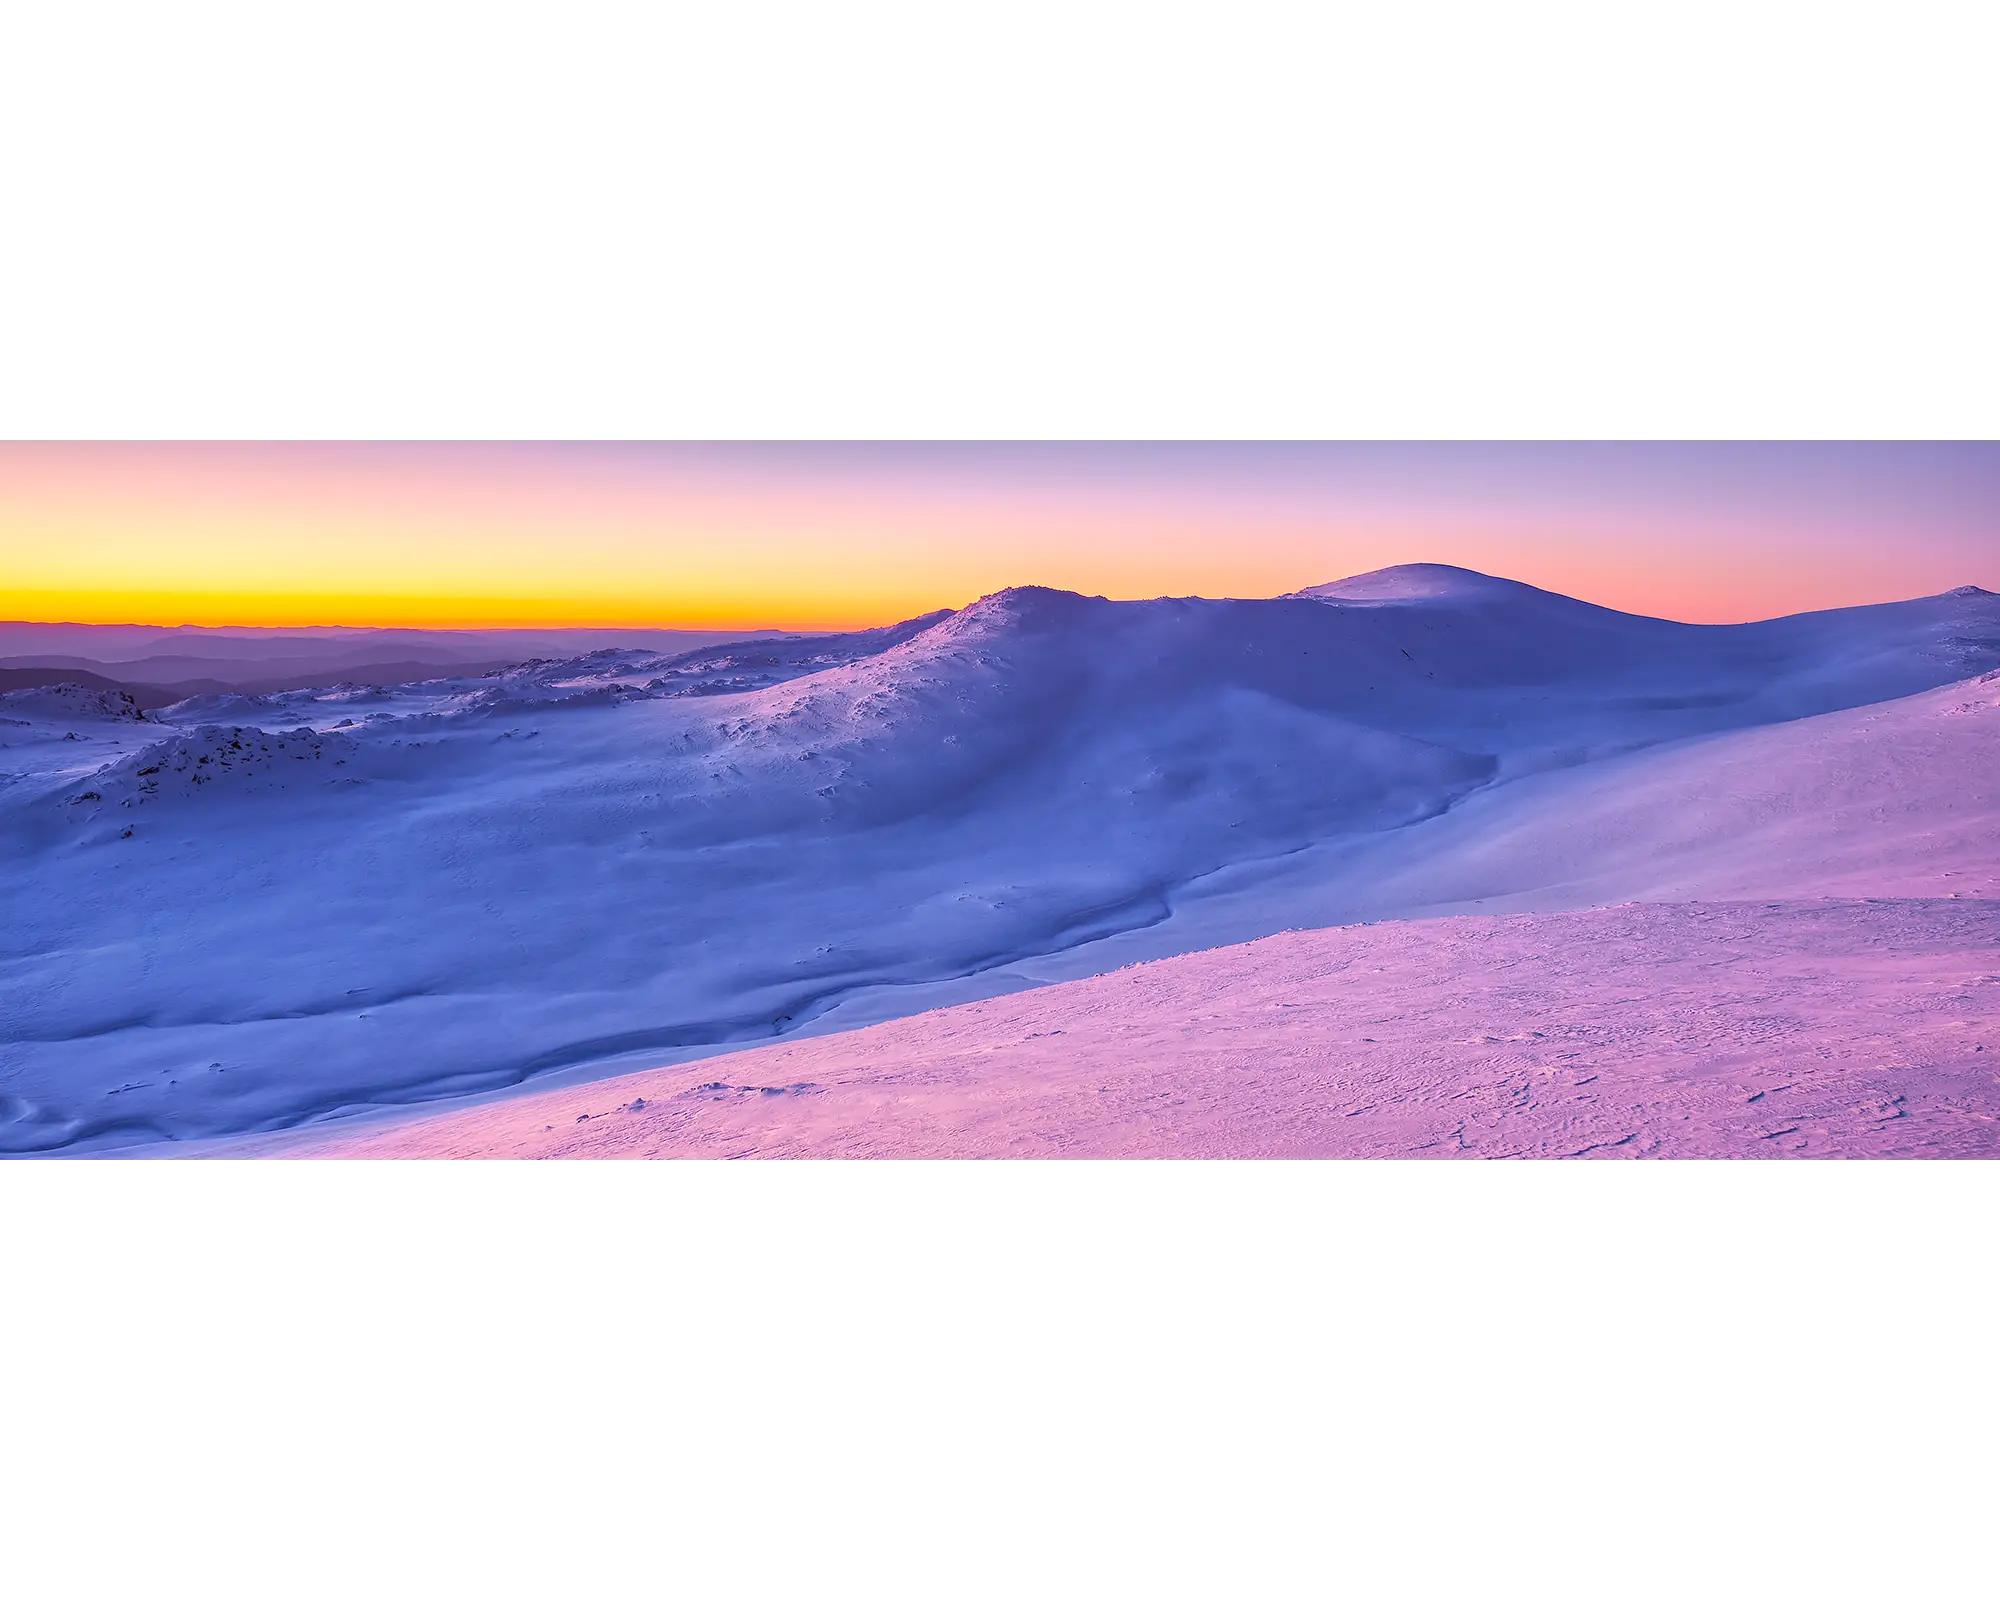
[[1545, 219], [1078, 1379]]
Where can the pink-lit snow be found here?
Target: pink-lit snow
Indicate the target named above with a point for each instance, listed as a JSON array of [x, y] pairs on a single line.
[[1812, 1028]]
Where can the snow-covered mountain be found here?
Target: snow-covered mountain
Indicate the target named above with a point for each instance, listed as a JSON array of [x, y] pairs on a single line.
[[238, 913]]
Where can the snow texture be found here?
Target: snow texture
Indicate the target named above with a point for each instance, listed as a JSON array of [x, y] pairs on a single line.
[[1747, 1030]]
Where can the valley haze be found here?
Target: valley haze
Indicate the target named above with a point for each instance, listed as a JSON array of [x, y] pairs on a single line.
[[1420, 862]]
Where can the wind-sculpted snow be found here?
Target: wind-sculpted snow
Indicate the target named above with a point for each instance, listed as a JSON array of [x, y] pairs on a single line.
[[257, 710], [387, 895], [66, 701], [242, 759]]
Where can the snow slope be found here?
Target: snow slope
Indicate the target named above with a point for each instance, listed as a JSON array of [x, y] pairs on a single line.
[[1745, 1029], [1900, 798], [241, 915], [1862, 1022]]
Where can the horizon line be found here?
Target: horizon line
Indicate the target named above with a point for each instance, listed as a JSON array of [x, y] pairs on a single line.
[[710, 624]]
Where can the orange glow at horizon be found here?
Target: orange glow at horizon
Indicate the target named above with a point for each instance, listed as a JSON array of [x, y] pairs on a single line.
[[460, 536]]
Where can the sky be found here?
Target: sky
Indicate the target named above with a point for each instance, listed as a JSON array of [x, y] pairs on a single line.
[[810, 536]]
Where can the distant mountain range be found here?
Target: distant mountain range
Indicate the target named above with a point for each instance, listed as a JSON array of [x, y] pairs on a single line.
[[158, 666]]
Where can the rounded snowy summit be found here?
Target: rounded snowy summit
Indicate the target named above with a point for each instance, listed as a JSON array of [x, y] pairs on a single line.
[[1420, 580]]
